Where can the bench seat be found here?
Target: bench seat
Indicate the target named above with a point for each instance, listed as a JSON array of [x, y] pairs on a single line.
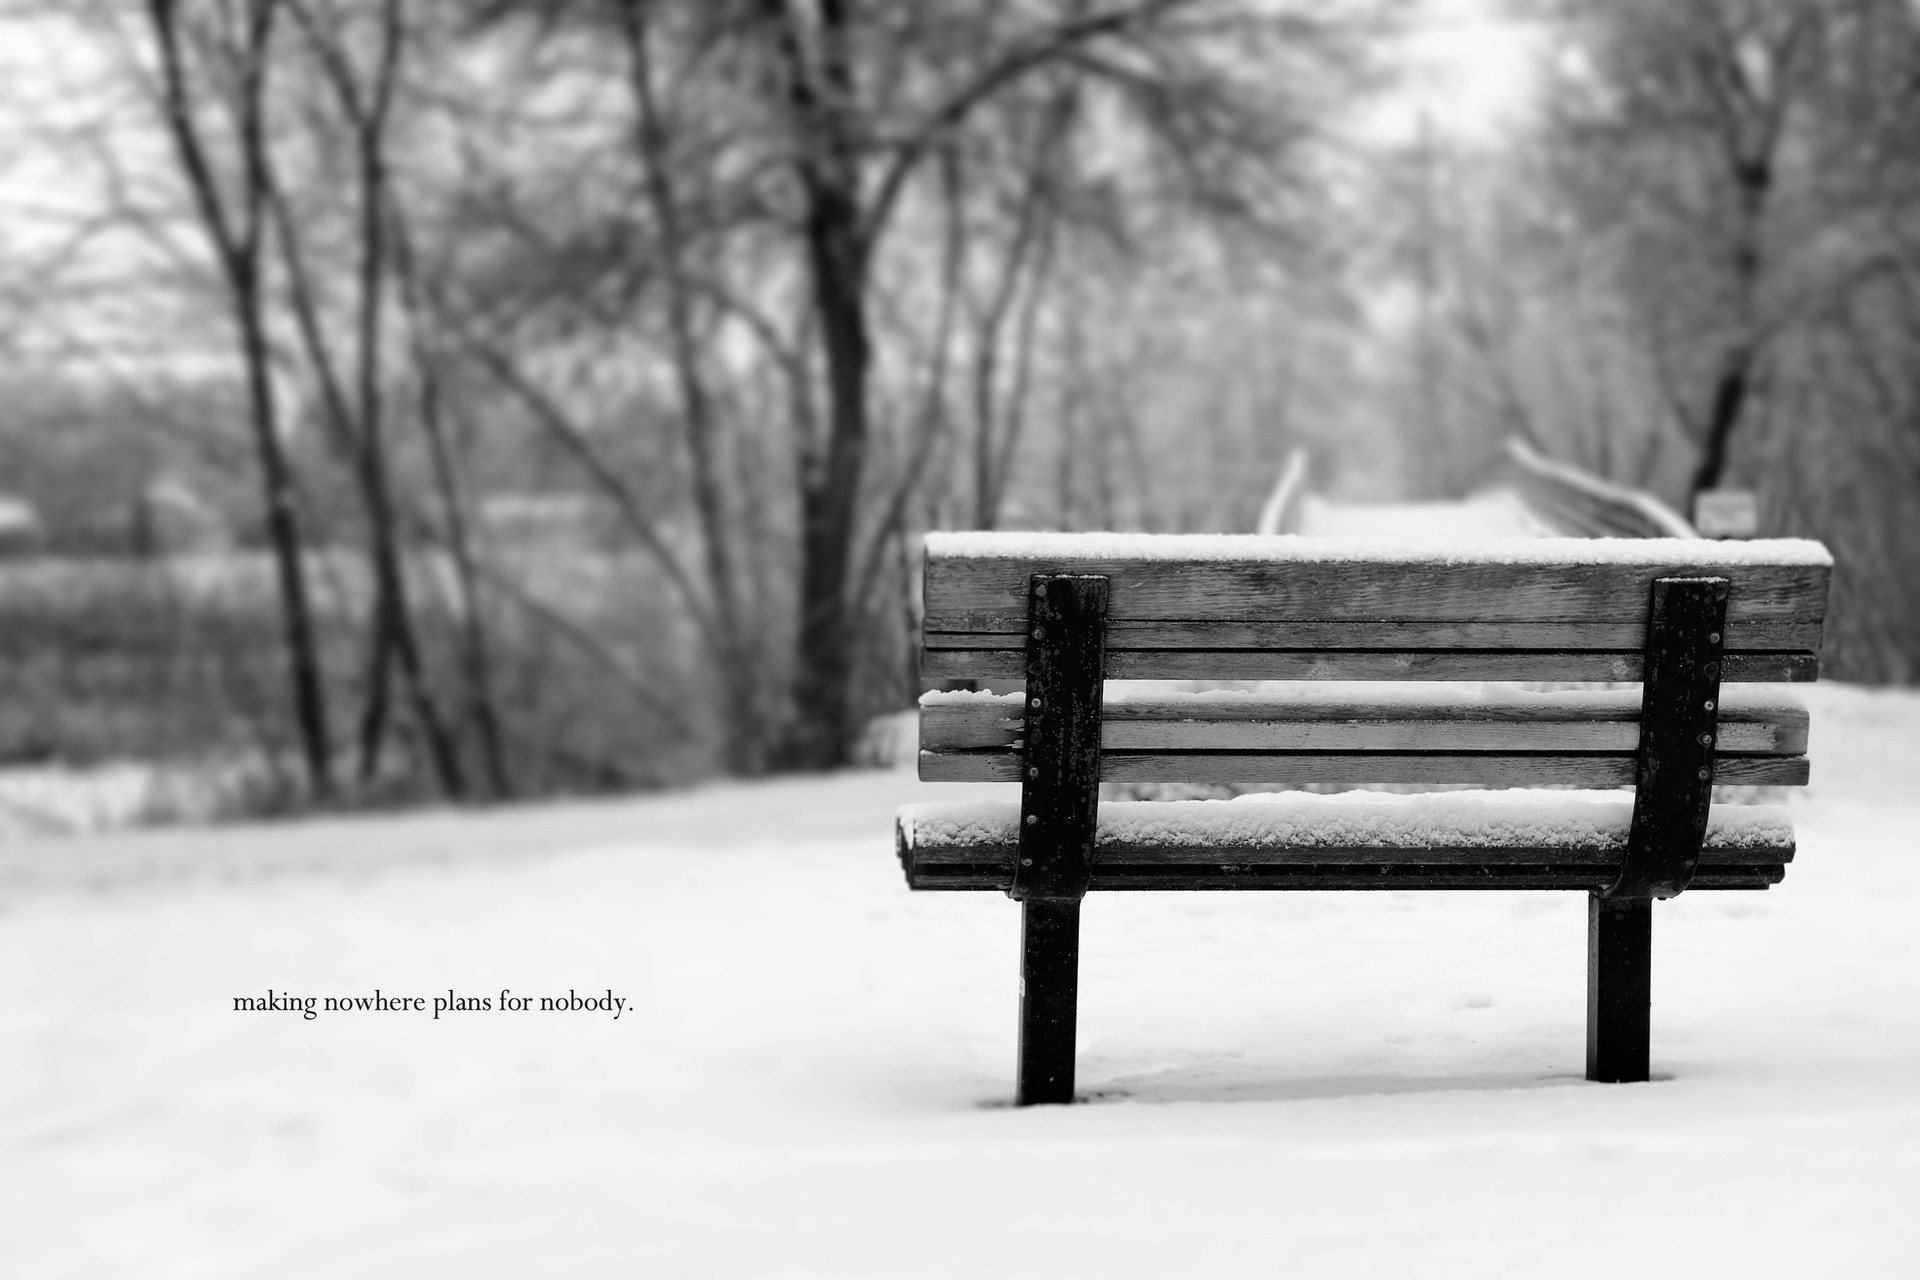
[[1352, 840]]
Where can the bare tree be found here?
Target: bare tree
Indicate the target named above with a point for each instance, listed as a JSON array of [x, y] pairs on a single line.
[[1702, 136], [1753, 164], [215, 67], [357, 413], [858, 150]]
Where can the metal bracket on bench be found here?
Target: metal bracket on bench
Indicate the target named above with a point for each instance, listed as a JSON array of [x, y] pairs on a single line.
[[1060, 789], [1679, 722]]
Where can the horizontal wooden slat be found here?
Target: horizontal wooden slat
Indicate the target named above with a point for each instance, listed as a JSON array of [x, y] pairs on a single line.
[[1355, 840], [1481, 768], [1121, 867], [988, 593], [1241, 664], [1544, 722], [1240, 856], [999, 877], [1122, 634]]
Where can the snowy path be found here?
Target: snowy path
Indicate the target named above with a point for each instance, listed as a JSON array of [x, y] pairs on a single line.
[[805, 1080]]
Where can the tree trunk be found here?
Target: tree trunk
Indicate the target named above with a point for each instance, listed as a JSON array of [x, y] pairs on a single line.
[[836, 248], [234, 232], [735, 663], [829, 500], [393, 641], [1729, 398], [283, 534]]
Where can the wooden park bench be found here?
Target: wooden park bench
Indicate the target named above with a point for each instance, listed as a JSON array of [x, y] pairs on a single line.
[[1060, 614]]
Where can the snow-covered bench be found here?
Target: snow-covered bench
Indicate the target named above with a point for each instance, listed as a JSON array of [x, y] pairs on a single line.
[[1317, 626]]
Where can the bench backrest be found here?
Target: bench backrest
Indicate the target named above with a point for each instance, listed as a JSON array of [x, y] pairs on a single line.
[[1237, 608]]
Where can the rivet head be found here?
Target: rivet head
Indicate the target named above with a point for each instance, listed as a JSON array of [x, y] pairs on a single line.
[[1039, 588], [1706, 739], [1026, 862], [1705, 773], [1035, 704], [1039, 633], [1712, 668], [1032, 819], [1033, 771], [1713, 637], [1709, 704]]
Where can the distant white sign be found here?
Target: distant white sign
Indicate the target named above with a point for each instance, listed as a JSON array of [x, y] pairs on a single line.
[[19, 522], [1726, 513]]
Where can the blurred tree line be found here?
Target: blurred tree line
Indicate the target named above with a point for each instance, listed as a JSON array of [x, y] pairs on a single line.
[[763, 288], [1699, 270], [606, 358]]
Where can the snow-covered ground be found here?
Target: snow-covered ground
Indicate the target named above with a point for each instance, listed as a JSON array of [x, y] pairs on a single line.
[[808, 1075]]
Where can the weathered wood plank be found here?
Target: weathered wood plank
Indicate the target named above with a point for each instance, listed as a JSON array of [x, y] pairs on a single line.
[[1548, 725], [989, 593], [1483, 769], [1113, 854], [1232, 664], [1755, 634], [1236, 876]]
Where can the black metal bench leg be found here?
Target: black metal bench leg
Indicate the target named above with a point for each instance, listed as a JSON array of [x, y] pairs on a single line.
[[1619, 987], [1060, 807], [1049, 994]]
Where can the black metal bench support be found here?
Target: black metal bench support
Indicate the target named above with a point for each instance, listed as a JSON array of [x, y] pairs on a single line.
[[1059, 806], [1619, 987], [1679, 721], [1049, 998]]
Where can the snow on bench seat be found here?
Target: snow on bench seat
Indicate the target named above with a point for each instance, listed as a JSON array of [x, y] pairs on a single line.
[[1525, 839], [1565, 820]]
